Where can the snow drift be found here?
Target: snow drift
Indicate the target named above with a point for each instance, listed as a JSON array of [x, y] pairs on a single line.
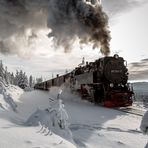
[[8, 95], [92, 126], [52, 119]]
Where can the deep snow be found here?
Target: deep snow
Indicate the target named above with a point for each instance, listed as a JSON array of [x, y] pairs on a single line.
[[14, 130], [91, 126], [9, 94]]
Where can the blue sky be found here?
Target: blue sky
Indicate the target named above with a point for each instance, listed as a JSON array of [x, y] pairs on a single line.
[[128, 25]]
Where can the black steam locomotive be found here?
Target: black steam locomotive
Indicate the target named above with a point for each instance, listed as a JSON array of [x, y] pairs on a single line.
[[102, 82]]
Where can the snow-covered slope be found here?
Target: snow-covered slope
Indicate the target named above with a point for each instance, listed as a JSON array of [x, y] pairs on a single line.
[[53, 119], [27, 132], [92, 126], [8, 95], [18, 136]]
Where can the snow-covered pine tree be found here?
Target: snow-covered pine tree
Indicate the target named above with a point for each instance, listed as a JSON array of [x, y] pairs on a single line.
[[21, 79], [31, 81], [12, 78], [39, 80], [6, 76], [2, 74], [16, 78], [25, 80], [1, 70]]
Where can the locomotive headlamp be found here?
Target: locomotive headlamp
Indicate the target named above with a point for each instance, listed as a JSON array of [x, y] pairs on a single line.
[[111, 85], [116, 56]]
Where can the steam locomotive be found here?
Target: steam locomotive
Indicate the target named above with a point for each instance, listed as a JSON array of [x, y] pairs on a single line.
[[104, 82]]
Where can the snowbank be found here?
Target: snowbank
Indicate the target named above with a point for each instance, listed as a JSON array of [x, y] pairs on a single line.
[[52, 119], [92, 126], [8, 95], [14, 136]]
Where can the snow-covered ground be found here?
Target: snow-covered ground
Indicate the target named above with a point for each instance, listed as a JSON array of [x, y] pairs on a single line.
[[19, 136], [14, 131], [9, 94], [91, 126]]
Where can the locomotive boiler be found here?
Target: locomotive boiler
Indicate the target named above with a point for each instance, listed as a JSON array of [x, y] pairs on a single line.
[[104, 82]]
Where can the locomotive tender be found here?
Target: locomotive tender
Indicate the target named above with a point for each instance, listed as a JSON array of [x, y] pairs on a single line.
[[102, 82]]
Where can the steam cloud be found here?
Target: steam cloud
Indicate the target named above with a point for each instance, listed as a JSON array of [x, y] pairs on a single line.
[[84, 19], [20, 21]]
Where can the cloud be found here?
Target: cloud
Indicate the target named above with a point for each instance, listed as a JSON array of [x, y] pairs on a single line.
[[22, 20], [139, 70], [116, 7], [139, 75]]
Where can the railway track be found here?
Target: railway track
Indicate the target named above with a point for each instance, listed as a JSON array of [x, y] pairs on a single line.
[[131, 110]]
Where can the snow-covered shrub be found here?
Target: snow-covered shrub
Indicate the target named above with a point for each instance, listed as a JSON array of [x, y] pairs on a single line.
[[54, 118], [21, 79], [58, 114]]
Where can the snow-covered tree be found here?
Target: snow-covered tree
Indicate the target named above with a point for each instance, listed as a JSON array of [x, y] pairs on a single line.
[[39, 80], [1, 70], [7, 76], [21, 79], [31, 81], [16, 78], [52, 119], [4, 74], [12, 78]]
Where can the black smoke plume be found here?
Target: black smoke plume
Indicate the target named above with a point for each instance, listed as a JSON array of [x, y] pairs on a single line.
[[83, 19], [22, 20]]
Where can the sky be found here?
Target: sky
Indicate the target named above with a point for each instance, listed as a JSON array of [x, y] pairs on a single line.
[[24, 41]]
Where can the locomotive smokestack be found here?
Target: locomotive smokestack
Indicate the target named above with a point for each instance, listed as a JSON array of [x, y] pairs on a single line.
[[79, 19]]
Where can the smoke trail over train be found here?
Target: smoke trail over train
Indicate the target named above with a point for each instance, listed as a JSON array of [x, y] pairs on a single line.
[[21, 22], [82, 19]]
